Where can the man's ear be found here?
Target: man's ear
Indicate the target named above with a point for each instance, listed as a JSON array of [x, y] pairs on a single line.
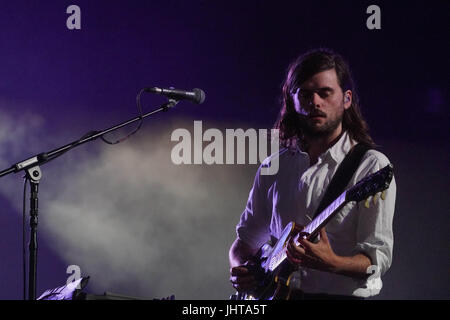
[[347, 99]]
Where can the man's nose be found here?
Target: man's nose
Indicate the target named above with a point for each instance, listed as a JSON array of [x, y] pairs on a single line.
[[316, 100]]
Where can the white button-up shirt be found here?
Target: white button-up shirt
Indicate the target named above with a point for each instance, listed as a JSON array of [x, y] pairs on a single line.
[[294, 193]]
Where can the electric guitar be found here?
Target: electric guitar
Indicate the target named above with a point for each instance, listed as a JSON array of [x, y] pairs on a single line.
[[271, 268]]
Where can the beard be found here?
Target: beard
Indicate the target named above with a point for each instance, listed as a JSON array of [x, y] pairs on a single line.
[[312, 129]]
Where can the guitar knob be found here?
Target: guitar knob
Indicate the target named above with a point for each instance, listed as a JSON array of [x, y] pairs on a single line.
[[375, 198]]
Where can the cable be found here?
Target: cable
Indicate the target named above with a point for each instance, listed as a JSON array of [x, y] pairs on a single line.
[[141, 116], [90, 133]]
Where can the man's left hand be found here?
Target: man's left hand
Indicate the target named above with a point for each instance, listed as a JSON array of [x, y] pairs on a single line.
[[318, 255]]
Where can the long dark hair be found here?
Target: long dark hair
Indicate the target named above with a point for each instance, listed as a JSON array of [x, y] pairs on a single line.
[[303, 68]]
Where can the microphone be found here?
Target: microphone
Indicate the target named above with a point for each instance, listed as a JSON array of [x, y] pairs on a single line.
[[196, 95]]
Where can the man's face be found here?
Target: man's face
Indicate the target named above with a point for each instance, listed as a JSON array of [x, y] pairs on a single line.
[[320, 102]]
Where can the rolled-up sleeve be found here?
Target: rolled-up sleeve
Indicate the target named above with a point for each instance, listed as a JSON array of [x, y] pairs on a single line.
[[254, 224], [374, 235]]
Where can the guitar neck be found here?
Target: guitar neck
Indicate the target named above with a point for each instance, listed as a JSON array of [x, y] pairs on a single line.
[[312, 229]]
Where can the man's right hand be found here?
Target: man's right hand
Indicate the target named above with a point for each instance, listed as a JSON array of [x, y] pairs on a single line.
[[241, 256], [242, 279]]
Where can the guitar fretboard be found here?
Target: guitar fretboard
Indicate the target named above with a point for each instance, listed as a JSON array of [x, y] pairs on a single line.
[[322, 218]]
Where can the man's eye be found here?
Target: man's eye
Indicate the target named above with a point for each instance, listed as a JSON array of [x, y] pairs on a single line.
[[324, 93], [304, 94]]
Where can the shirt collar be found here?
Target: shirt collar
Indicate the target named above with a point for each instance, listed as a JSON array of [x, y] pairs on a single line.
[[340, 149]]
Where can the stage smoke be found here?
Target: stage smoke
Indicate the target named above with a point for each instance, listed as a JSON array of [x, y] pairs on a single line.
[[133, 221]]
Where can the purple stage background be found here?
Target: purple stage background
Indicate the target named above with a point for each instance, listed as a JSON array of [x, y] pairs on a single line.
[[142, 226]]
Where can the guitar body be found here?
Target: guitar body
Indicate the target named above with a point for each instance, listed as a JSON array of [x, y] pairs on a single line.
[[272, 284]]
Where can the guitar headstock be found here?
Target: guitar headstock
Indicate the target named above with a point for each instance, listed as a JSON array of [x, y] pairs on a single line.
[[371, 185]]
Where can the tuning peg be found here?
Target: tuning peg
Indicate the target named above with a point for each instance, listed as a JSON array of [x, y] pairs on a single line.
[[367, 203], [383, 195], [375, 198]]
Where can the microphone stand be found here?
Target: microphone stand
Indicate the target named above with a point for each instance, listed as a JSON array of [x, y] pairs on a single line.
[[34, 175]]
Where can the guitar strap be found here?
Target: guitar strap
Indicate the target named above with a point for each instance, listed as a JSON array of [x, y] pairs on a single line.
[[342, 176]]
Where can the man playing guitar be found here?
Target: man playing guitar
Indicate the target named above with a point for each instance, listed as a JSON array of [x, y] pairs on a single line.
[[319, 123]]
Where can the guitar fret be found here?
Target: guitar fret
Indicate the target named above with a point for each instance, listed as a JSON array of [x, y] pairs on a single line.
[[313, 225], [316, 223]]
